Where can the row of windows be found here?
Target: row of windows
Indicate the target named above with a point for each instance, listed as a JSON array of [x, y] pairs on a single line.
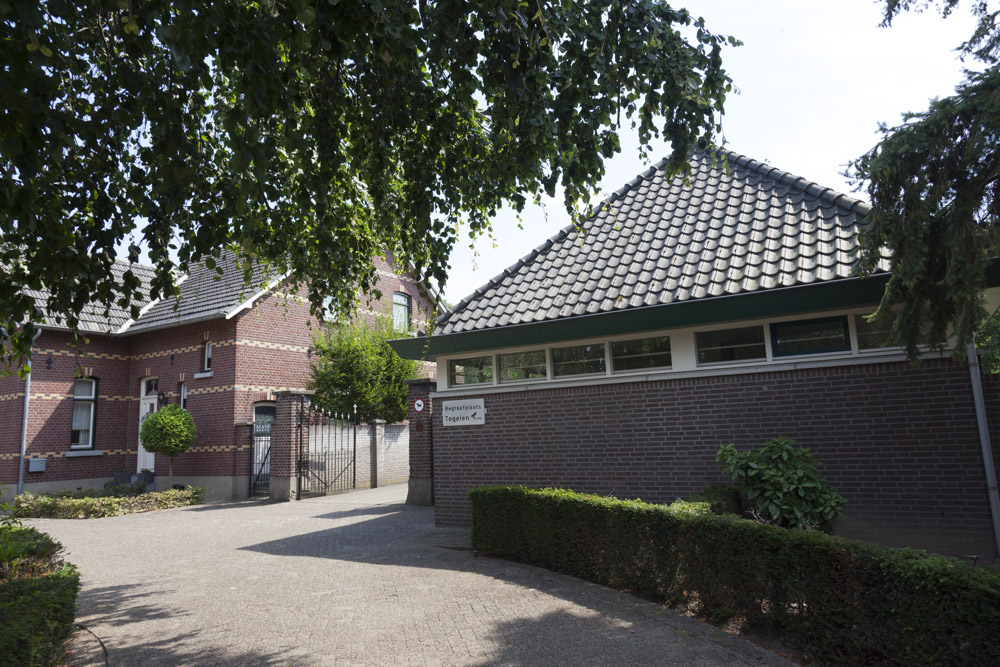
[[800, 337], [82, 429]]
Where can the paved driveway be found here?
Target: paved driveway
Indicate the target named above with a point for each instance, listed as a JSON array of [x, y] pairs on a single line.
[[358, 578]]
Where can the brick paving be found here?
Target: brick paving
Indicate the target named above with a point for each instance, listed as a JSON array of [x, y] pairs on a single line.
[[352, 579]]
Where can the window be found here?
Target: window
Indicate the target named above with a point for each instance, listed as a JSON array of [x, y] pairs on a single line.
[[633, 355], [183, 391], [84, 408], [724, 345], [208, 356], [828, 334], [400, 311], [523, 366], [578, 360], [477, 370], [150, 387], [875, 335], [264, 414]]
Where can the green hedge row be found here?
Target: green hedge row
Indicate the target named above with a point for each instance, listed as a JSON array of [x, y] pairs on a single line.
[[37, 599], [59, 507], [842, 601]]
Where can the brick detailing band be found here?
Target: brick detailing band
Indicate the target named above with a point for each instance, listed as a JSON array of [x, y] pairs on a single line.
[[11, 397], [119, 452]]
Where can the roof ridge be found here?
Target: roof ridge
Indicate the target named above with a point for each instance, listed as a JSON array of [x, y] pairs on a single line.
[[800, 183]]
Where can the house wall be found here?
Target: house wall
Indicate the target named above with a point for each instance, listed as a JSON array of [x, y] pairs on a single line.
[[55, 365], [900, 443]]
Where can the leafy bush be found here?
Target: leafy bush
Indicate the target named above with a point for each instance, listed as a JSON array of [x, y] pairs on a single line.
[[168, 431], [37, 598], [843, 601], [721, 499], [782, 482], [92, 507], [354, 365]]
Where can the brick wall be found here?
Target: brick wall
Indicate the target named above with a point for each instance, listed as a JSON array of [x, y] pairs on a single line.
[[899, 443]]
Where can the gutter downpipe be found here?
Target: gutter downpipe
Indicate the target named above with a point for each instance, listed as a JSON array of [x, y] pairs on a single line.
[[24, 417], [984, 440]]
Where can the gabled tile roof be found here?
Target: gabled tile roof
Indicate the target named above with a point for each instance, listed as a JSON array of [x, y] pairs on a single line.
[[93, 317], [661, 241], [204, 294]]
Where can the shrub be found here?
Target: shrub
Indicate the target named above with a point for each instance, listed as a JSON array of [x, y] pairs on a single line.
[[92, 507], [37, 598], [110, 490], [168, 431], [842, 601], [782, 482], [721, 499]]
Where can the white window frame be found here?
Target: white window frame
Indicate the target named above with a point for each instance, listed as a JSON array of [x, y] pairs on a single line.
[[408, 325], [182, 393], [90, 400], [207, 357]]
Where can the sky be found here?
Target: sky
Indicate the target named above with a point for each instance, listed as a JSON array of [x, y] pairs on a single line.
[[815, 79]]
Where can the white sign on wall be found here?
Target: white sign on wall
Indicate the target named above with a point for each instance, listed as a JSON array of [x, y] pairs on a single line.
[[463, 413]]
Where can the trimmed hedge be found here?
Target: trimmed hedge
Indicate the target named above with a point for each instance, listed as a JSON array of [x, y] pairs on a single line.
[[60, 507], [842, 601], [37, 599]]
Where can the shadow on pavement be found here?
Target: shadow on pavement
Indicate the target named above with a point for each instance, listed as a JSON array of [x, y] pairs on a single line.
[[119, 606]]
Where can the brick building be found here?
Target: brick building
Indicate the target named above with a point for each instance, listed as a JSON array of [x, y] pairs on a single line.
[[221, 349], [692, 314]]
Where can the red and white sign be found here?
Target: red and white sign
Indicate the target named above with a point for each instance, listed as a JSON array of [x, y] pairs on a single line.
[[418, 405]]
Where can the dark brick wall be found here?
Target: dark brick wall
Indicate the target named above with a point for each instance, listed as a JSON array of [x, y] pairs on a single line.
[[899, 443], [420, 429]]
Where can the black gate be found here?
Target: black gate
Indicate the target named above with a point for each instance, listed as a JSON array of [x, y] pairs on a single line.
[[260, 461], [327, 446]]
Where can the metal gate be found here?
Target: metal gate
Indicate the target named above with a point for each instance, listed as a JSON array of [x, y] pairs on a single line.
[[260, 461], [327, 446]]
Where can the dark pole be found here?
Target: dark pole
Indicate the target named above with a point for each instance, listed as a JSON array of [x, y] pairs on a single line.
[[354, 462]]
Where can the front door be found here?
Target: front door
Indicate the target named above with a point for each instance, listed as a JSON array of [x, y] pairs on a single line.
[[147, 406]]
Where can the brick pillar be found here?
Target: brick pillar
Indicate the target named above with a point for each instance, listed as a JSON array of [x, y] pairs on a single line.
[[241, 459], [285, 435], [421, 491], [376, 431]]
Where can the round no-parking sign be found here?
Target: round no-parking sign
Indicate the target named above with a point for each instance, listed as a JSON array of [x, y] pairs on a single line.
[[418, 405]]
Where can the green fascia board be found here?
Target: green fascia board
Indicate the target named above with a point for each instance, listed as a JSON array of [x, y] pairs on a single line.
[[846, 293]]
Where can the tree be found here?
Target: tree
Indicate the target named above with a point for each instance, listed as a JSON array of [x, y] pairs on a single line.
[[169, 431], [354, 365], [314, 136], [934, 185]]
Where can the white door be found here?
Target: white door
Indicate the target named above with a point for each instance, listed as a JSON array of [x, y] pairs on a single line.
[[147, 406]]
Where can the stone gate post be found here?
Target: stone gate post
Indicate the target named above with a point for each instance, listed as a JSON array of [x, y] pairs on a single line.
[[421, 491], [285, 436]]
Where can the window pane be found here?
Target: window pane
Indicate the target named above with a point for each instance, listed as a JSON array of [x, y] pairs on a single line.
[[730, 345], [83, 389], [630, 355], [477, 370], [151, 386], [400, 311], [522, 366], [83, 412], [264, 414], [875, 335], [208, 356], [578, 360], [810, 336], [184, 395]]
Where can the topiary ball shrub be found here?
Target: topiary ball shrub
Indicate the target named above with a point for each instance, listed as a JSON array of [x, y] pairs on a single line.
[[168, 431], [782, 483]]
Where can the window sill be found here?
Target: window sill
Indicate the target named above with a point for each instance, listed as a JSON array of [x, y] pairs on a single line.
[[204, 374], [75, 453]]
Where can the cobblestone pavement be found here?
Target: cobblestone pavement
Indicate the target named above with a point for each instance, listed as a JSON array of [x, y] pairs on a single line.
[[358, 578]]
